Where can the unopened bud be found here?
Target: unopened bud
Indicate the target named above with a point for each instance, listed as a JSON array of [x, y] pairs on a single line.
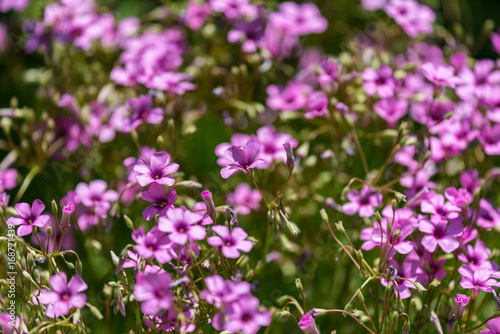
[[68, 210], [323, 215], [340, 227], [209, 201], [360, 296], [49, 232], [400, 305], [129, 222], [290, 159], [406, 327], [54, 207], [298, 285]]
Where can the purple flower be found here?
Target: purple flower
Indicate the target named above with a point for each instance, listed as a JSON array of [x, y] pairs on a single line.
[[490, 138], [271, 144], [7, 179], [440, 233], [478, 83], [477, 257], [381, 82], [169, 321], [408, 271], [376, 237], [373, 4], [156, 170], [231, 242], [391, 110], [292, 97], [245, 316], [142, 110], [162, 201], [63, 295], [244, 159], [196, 14], [461, 302], [154, 244], [436, 206], [232, 9], [440, 76], [413, 17], [317, 105], [307, 324], [295, 19], [250, 33], [470, 180], [493, 327], [29, 217], [477, 279], [15, 5], [363, 202], [244, 199], [223, 292], [488, 218], [96, 199], [238, 139], [153, 290], [209, 202], [181, 224]]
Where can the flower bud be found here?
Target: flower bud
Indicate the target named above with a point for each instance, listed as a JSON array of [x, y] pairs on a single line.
[[307, 324], [360, 296], [67, 212], [323, 215], [129, 222], [406, 327], [209, 201], [290, 159], [340, 227], [54, 207], [298, 285], [461, 302]]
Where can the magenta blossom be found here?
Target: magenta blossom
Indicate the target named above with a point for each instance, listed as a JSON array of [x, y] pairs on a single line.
[[436, 206], [493, 327], [29, 217], [477, 257], [96, 200], [292, 97], [408, 271], [153, 244], [439, 232], [376, 237], [63, 295], [244, 199], [162, 201], [182, 224], [271, 144], [196, 14], [142, 110], [244, 159], [381, 82], [7, 179], [440, 76], [298, 19], [231, 242], [362, 202], [461, 302], [223, 292], [157, 170], [476, 280], [245, 316], [391, 110], [153, 290], [307, 324]]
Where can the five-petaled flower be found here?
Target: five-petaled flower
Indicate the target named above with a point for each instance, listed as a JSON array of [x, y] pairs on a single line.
[[244, 159], [157, 170], [231, 241], [29, 217]]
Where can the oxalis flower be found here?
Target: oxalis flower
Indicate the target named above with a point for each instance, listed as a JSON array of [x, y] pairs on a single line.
[[162, 201], [493, 327], [29, 217], [63, 295], [244, 159], [181, 224], [156, 170], [231, 242], [153, 290]]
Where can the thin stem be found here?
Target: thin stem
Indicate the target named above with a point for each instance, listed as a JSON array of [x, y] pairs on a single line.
[[360, 149], [342, 245], [27, 180], [352, 316]]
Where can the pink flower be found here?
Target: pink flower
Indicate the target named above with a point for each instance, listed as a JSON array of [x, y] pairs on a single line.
[[142, 110], [162, 201], [436, 206], [307, 324], [292, 97], [363, 202], [295, 19], [391, 110], [231, 241], [63, 295], [196, 14], [381, 82], [413, 17], [244, 199], [440, 233], [440, 76], [157, 170], [477, 257], [477, 279], [154, 244], [182, 224], [246, 317], [7, 179], [153, 290], [243, 159], [29, 217], [493, 327], [461, 302]]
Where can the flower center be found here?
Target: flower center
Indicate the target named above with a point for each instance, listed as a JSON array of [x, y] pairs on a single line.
[[65, 296]]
